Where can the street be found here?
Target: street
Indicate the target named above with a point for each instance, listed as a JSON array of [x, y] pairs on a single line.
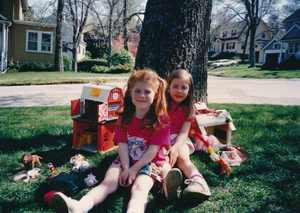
[[220, 90]]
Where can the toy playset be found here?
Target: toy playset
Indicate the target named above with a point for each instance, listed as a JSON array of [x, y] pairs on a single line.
[[94, 128]]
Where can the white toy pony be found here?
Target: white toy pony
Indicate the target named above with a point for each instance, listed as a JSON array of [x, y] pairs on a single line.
[[79, 164]]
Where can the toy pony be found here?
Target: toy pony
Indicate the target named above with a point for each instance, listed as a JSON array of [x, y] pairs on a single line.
[[79, 164], [28, 159], [90, 180], [224, 165]]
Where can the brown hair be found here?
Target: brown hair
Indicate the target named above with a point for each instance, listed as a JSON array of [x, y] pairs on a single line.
[[187, 103], [157, 108]]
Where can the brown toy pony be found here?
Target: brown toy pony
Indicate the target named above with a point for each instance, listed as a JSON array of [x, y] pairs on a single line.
[[28, 159], [225, 166]]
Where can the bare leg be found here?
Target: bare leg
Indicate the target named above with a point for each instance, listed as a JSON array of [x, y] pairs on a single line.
[[139, 193], [185, 164], [107, 186]]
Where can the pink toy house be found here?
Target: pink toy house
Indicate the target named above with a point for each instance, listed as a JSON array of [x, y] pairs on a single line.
[[94, 128]]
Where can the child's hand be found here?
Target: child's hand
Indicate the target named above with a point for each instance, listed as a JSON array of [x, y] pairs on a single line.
[[127, 177], [173, 154]]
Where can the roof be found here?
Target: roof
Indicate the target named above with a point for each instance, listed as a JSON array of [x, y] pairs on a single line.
[[34, 23], [292, 34], [238, 24], [294, 17], [262, 43], [272, 42]]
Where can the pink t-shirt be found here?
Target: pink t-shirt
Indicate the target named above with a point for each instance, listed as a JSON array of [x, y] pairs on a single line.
[[177, 118], [138, 139]]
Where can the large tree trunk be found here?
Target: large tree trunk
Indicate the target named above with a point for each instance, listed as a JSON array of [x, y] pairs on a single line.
[[58, 59], [175, 36], [125, 28], [252, 45]]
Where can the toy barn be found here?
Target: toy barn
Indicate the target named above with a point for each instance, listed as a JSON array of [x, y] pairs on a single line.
[[94, 128], [214, 122]]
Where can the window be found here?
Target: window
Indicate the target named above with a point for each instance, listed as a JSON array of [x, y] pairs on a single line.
[[230, 46], [39, 41], [263, 35], [65, 47], [233, 32], [224, 34], [275, 46], [294, 47]]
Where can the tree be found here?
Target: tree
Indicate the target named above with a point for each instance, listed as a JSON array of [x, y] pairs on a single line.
[[175, 36], [79, 10], [58, 59]]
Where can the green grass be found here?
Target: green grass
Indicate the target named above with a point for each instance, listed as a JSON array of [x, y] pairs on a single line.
[[27, 78], [269, 182], [242, 71]]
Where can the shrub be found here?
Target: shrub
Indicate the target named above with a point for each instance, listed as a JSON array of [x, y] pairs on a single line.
[[99, 69], [67, 63], [87, 64], [122, 57], [88, 54], [268, 66], [120, 69], [30, 66], [292, 63]]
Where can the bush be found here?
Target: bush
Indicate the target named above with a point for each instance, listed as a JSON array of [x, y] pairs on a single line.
[[113, 69], [122, 57], [224, 55], [67, 63], [120, 69], [30, 66], [292, 63], [88, 54], [87, 64], [99, 69]]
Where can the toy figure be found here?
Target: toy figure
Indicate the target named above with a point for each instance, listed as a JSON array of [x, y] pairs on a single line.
[[79, 164], [51, 167], [28, 159], [90, 180], [225, 166]]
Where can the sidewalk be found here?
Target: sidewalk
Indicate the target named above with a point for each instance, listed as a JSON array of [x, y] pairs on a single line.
[[220, 90]]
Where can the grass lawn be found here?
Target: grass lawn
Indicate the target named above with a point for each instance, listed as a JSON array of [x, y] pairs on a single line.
[[27, 78], [242, 71], [269, 182]]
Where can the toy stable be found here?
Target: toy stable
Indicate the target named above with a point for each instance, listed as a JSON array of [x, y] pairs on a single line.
[[214, 122], [94, 128]]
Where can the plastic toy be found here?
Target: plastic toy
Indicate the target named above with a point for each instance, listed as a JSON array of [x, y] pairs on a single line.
[[28, 159], [51, 167], [79, 164], [30, 174], [215, 157], [90, 180]]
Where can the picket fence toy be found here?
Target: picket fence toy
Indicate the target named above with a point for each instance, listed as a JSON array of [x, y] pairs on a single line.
[[94, 124]]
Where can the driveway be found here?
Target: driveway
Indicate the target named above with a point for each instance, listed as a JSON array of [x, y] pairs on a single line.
[[220, 90]]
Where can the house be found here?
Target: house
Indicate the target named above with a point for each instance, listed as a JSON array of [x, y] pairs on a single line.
[[275, 51], [286, 43], [232, 39], [22, 40], [292, 36], [68, 42]]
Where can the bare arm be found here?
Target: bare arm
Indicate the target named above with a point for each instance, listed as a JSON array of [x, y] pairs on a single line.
[[180, 140], [130, 174]]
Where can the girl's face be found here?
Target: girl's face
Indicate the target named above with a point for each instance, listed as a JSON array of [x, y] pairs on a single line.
[[179, 90], [142, 96]]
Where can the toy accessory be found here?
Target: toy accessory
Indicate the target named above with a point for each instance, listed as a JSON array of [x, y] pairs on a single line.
[[79, 164], [90, 180]]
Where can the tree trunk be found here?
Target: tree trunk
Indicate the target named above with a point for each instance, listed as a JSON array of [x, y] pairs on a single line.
[[245, 45], [175, 36], [252, 44], [58, 59], [110, 36], [125, 28]]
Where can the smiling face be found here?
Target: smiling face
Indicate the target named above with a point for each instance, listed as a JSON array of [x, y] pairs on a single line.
[[142, 97], [179, 90]]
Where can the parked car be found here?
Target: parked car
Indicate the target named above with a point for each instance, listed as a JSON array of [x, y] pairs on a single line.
[[224, 63]]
